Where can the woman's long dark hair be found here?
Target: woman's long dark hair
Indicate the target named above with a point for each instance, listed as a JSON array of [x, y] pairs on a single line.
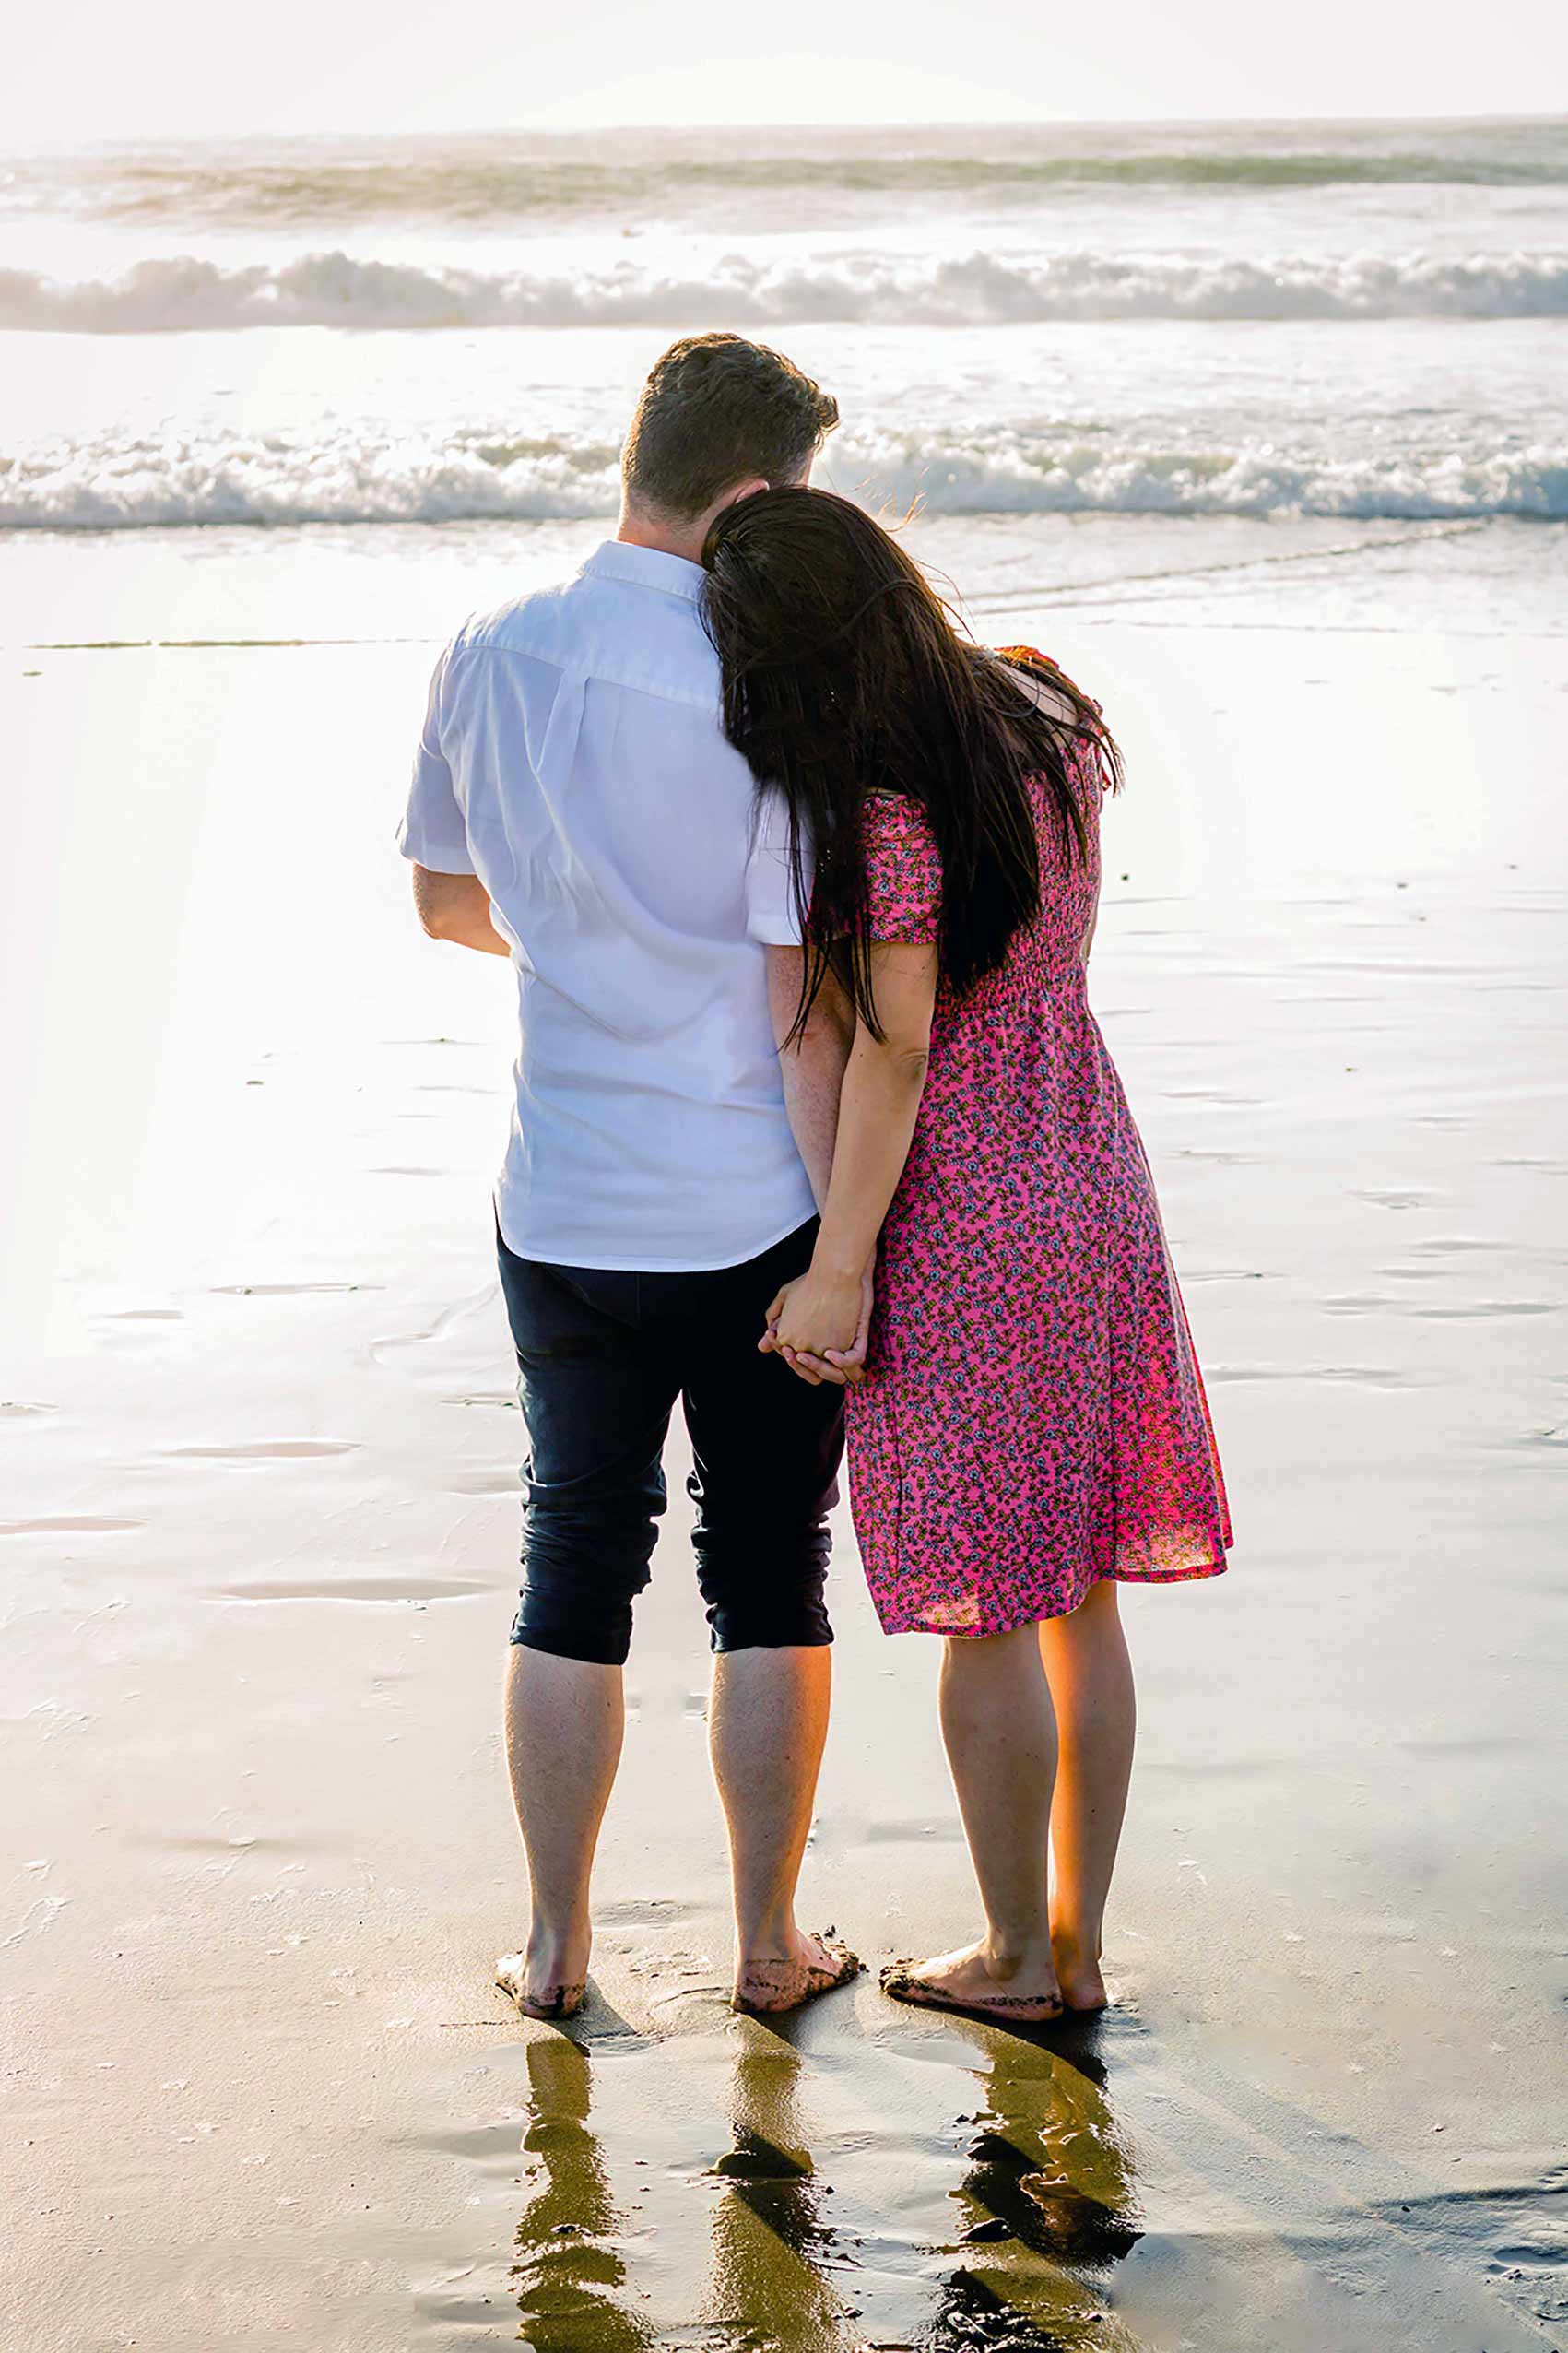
[[844, 675]]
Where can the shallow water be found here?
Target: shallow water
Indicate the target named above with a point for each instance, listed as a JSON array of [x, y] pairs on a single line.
[[1356, 320]]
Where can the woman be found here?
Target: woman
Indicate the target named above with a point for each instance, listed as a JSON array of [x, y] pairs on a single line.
[[1031, 1427]]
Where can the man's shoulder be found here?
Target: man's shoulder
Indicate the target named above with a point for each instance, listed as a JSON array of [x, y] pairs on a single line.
[[657, 647], [527, 624]]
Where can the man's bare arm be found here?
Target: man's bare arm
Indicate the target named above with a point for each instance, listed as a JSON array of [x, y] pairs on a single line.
[[456, 907], [813, 1067], [813, 1071]]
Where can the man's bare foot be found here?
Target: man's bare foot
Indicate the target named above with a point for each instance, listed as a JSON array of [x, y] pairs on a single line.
[[1078, 1971], [537, 1983], [1018, 1988], [766, 1983]]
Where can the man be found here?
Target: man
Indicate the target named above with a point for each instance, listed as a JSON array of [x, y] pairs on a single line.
[[575, 807]]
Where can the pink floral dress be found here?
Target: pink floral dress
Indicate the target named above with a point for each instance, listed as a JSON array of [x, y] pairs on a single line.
[[1032, 1417]]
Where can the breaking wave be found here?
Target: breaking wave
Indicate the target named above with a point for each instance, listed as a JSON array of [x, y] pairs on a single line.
[[222, 478], [346, 290]]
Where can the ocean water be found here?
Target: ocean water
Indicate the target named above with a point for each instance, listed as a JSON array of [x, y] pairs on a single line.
[[1366, 323]]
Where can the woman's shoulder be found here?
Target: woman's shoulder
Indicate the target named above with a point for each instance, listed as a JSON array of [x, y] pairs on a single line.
[[1042, 678], [1050, 689]]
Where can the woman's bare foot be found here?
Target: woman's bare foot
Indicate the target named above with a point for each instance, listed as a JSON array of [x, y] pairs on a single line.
[[1078, 1971], [1019, 1989], [545, 1982], [766, 1983]]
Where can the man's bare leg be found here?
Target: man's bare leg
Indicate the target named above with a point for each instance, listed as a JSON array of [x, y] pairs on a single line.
[[565, 1718], [767, 1723]]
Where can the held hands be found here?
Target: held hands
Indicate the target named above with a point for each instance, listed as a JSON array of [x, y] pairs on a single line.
[[818, 1325]]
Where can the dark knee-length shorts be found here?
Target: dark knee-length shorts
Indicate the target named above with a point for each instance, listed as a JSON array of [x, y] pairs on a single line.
[[602, 1358]]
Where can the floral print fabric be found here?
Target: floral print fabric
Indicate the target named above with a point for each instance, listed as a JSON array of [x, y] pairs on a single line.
[[1032, 1417]]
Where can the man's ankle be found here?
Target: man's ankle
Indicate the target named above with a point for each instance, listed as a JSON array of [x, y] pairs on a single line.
[[775, 1937]]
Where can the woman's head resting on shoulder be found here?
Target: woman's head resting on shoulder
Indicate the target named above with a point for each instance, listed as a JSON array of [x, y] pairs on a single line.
[[845, 675]]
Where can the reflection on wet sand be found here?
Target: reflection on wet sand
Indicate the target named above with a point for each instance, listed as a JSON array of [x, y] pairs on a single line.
[[1048, 2201], [772, 2246], [1023, 2206], [571, 2270]]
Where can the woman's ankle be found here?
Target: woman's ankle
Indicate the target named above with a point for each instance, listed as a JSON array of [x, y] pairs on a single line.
[[1012, 1952], [560, 1952], [1075, 1953], [1083, 1939]]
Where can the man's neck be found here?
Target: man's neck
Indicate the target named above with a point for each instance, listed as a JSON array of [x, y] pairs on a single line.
[[670, 538]]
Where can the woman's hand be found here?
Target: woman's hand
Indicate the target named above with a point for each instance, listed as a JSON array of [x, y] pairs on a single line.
[[818, 1325]]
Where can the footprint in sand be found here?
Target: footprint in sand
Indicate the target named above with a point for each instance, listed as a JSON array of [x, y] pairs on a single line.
[[286, 1290], [1358, 1376], [69, 1526], [279, 1450], [504, 1481], [1486, 1308], [352, 1589]]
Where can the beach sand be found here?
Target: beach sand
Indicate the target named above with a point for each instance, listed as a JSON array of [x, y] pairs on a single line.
[[258, 1470]]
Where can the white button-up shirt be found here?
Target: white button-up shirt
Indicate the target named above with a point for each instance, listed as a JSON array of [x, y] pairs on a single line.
[[573, 759]]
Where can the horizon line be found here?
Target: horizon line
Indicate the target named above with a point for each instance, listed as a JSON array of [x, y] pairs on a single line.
[[1071, 123]]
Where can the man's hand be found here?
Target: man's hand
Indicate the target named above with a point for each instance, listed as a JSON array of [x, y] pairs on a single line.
[[796, 1318]]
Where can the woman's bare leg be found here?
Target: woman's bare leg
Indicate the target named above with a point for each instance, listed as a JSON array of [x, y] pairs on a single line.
[[1091, 1676], [1001, 1742]]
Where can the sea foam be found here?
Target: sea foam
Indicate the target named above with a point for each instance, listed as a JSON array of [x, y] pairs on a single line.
[[336, 288], [367, 476]]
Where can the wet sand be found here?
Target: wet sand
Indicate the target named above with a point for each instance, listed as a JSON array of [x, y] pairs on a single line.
[[258, 1534]]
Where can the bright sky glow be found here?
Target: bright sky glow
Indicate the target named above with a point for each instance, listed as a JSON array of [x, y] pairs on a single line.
[[82, 70]]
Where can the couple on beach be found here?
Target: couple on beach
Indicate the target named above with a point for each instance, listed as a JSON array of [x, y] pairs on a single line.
[[814, 1131]]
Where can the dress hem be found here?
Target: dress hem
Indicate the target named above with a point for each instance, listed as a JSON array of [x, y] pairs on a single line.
[[1040, 1617]]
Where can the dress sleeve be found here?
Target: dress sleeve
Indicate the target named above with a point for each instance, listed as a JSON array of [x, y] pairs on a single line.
[[903, 870]]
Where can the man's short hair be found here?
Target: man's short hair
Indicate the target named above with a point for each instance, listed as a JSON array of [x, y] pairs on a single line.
[[715, 411]]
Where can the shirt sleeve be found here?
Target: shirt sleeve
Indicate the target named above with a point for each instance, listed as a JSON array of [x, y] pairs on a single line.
[[903, 870], [433, 832], [771, 916]]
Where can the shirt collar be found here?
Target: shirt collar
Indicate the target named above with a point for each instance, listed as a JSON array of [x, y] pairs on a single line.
[[647, 568]]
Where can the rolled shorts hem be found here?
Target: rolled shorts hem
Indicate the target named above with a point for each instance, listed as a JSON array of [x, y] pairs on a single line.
[[593, 1649], [796, 1641], [597, 1650]]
